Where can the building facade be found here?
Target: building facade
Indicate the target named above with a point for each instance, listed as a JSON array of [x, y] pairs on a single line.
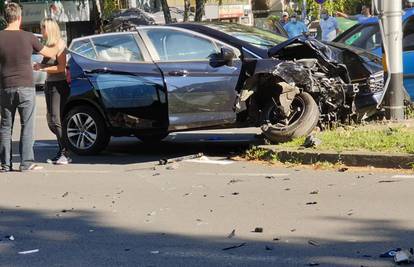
[[74, 17]]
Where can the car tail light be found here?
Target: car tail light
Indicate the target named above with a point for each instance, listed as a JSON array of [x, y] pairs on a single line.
[[68, 77]]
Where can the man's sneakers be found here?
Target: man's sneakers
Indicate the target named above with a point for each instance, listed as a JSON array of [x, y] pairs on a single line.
[[60, 159]]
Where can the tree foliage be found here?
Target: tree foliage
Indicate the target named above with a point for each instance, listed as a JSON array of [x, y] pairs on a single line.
[[347, 6]]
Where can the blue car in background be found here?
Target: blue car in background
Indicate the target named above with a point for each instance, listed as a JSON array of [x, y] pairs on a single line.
[[366, 35]]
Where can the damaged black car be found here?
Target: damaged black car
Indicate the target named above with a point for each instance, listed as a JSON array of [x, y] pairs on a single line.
[[154, 80]]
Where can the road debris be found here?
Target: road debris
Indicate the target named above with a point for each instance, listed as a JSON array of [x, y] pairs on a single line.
[[155, 252], [388, 181], [314, 192], [293, 230], [313, 243], [173, 166], [276, 239], [65, 194], [404, 256], [258, 230], [156, 174], [152, 213], [312, 203], [28, 251], [10, 237], [312, 141], [232, 234], [343, 169], [390, 253], [234, 247], [268, 247], [65, 210], [235, 193], [313, 264], [233, 181], [206, 160], [178, 159], [270, 177]]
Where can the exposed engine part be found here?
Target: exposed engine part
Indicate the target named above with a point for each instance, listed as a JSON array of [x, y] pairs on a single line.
[[286, 97]]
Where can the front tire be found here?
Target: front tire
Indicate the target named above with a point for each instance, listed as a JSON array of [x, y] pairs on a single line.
[[301, 122], [85, 131]]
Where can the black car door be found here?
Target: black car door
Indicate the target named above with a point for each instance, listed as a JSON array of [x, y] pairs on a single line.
[[129, 85], [200, 94]]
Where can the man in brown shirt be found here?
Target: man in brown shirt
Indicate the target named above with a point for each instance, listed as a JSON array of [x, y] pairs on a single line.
[[18, 92]]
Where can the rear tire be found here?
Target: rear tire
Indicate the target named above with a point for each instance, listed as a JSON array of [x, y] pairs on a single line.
[[304, 118], [84, 131]]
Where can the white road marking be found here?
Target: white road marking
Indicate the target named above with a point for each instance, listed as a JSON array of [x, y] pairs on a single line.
[[242, 174], [209, 161]]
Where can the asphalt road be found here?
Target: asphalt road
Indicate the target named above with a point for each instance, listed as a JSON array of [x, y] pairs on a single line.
[[122, 209]]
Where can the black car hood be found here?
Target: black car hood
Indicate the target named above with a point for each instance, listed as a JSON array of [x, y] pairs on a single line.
[[328, 51]]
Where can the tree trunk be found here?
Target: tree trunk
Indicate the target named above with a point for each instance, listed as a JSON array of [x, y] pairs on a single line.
[[186, 10], [166, 11], [96, 16], [199, 10]]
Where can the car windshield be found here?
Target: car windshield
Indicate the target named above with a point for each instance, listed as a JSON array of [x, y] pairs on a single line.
[[254, 36]]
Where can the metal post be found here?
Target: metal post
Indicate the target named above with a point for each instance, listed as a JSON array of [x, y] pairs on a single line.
[[392, 21]]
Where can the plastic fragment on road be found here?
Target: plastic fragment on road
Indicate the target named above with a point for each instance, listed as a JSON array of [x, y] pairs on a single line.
[[232, 234], [404, 256], [9, 237], [28, 251], [65, 194], [312, 141], [343, 169], [173, 166], [258, 230], [390, 254], [178, 159], [312, 203], [268, 247], [313, 243], [234, 247]]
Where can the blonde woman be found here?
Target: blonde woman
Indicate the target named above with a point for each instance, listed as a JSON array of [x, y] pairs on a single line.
[[56, 87]]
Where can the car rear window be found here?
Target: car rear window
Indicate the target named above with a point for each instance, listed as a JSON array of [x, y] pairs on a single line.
[[84, 48]]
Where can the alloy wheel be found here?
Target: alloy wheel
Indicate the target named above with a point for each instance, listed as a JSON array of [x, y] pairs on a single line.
[[82, 131]]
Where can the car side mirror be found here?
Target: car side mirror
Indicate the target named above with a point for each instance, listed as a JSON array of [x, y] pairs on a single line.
[[227, 55], [224, 58]]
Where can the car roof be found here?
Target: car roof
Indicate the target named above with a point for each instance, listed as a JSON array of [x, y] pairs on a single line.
[[407, 13]]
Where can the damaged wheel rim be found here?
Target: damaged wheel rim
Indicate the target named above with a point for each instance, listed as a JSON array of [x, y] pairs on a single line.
[[277, 118]]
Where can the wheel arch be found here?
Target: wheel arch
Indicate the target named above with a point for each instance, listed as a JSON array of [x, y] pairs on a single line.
[[85, 102]]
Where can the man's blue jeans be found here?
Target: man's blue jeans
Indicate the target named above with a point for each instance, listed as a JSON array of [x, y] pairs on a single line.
[[23, 100]]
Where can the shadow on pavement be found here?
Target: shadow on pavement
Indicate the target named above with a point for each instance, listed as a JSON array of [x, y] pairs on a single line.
[[78, 238], [129, 150]]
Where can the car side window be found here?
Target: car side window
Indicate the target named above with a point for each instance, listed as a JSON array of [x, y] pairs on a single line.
[[368, 38], [173, 45], [84, 48], [117, 48], [408, 36]]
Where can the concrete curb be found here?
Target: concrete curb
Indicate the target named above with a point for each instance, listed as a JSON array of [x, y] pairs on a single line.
[[360, 159]]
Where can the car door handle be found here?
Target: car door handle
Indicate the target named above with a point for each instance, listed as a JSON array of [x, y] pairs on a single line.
[[178, 73]]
